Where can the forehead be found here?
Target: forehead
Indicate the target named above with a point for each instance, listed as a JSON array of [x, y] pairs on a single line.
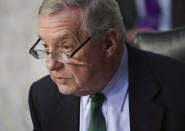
[[65, 19]]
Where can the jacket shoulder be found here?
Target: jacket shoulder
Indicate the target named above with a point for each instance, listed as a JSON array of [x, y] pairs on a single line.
[[43, 92], [44, 85], [167, 71], [157, 61]]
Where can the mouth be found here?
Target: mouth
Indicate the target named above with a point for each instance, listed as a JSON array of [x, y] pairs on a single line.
[[61, 80]]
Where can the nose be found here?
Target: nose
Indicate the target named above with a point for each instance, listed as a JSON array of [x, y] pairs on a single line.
[[52, 63]]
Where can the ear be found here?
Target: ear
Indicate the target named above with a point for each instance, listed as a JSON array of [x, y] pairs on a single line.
[[110, 41]]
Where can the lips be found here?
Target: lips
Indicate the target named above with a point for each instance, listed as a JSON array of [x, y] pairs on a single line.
[[61, 80]]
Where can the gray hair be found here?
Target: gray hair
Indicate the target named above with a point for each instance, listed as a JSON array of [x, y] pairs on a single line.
[[98, 15]]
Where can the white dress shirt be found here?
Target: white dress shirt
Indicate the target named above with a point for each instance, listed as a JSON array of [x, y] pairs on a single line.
[[116, 107]]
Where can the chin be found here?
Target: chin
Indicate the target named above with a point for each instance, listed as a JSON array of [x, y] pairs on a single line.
[[66, 90], [71, 91]]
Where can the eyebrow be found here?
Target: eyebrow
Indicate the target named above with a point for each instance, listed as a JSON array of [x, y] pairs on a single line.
[[62, 38]]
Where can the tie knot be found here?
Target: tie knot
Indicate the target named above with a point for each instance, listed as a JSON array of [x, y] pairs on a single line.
[[98, 98]]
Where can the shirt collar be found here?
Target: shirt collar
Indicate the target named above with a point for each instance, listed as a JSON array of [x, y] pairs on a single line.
[[116, 89], [85, 101]]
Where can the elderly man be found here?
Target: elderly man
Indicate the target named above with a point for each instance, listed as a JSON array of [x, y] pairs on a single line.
[[96, 81]]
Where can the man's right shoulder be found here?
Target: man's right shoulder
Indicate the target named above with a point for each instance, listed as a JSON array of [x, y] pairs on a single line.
[[44, 81], [44, 85]]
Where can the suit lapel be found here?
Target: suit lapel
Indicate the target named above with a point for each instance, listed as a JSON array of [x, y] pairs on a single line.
[[145, 114]]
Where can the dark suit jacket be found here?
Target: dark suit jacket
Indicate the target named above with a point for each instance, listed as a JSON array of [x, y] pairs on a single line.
[[129, 14], [156, 97]]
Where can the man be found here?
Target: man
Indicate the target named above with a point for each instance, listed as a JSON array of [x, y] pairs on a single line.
[[97, 82]]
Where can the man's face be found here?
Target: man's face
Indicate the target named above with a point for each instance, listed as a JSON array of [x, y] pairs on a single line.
[[85, 74]]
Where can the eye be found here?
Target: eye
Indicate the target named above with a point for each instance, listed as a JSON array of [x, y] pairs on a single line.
[[45, 46], [67, 48]]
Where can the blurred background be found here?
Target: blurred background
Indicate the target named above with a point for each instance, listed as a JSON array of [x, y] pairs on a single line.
[[18, 70]]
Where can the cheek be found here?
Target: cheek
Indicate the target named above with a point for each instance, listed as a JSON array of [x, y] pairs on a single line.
[[82, 75]]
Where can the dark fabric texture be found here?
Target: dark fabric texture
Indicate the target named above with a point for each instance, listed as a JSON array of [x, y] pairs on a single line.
[[156, 97]]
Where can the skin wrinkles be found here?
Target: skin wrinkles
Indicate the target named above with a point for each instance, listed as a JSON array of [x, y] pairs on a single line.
[[62, 23], [57, 30], [55, 26], [90, 65], [61, 37]]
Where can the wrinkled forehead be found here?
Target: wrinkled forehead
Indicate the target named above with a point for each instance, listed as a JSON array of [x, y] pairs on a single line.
[[71, 13], [66, 19], [63, 18]]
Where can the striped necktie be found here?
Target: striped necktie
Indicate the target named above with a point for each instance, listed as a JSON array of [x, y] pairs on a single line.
[[97, 120]]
